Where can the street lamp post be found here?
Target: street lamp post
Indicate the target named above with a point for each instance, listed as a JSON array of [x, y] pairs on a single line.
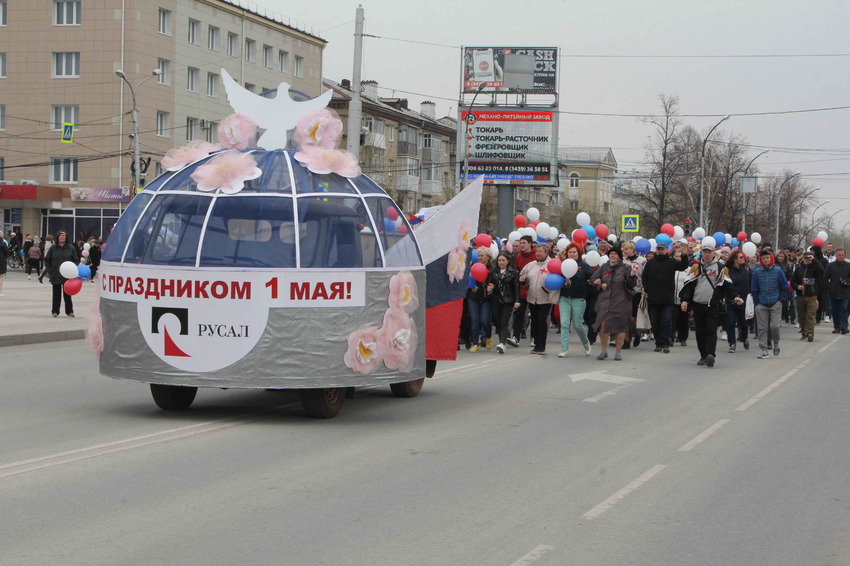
[[702, 175], [812, 221], [469, 116], [744, 210], [779, 205], [134, 116]]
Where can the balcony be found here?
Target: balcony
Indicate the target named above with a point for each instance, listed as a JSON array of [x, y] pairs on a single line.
[[374, 139], [408, 148], [407, 182], [432, 188], [430, 154]]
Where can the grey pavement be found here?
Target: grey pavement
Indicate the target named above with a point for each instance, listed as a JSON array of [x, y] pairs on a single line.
[[25, 316]]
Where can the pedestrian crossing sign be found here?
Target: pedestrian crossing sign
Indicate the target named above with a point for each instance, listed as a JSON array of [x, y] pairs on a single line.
[[631, 223], [67, 132]]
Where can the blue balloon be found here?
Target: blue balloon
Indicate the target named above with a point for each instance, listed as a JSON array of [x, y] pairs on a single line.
[[474, 256], [554, 281], [389, 226], [663, 239], [591, 231], [471, 282], [84, 272], [720, 238], [541, 239], [735, 242], [642, 246]]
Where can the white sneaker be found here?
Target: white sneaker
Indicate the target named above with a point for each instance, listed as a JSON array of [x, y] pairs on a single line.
[[29, 277], [563, 354], [723, 335], [587, 349], [500, 348]]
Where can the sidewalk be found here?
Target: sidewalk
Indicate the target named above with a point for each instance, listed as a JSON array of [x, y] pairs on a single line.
[[25, 311]]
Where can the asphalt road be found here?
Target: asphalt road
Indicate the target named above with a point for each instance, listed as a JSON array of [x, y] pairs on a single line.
[[502, 460]]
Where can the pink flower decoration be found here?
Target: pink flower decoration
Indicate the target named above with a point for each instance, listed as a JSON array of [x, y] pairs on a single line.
[[227, 171], [322, 128], [237, 131], [94, 330], [323, 161], [457, 265], [464, 236], [176, 159], [363, 354], [397, 340], [403, 292]]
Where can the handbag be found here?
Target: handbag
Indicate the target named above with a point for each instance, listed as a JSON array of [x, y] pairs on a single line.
[[749, 309], [642, 321]]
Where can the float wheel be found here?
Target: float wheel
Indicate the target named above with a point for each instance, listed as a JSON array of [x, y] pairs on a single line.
[[322, 403], [173, 397], [408, 388]]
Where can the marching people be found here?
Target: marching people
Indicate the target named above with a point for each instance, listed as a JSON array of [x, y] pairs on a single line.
[[769, 289], [837, 282], [806, 281], [478, 299], [523, 257], [59, 253], [631, 258], [32, 251], [614, 280], [736, 313], [48, 243], [503, 285], [573, 303], [4, 256], [539, 298], [705, 292], [659, 283], [681, 319]]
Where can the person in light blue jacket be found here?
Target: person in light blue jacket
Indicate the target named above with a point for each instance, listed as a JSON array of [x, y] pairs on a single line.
[[770, 290]]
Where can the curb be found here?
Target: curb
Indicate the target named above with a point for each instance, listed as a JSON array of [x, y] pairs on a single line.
[[42, 337]]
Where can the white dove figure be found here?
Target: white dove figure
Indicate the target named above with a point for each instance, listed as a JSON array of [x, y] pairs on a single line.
[[276, 115]]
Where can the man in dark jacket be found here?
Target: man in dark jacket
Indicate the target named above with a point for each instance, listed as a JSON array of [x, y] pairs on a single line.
[[59, 253], [805, 281], [837, 282], [659, 284]]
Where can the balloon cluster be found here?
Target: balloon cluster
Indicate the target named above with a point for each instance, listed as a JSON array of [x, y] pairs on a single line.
[[75, 275]]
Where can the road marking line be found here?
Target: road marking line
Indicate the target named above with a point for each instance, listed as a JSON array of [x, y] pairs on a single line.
[[143, 441], [614, 499], [534, 555], [823, 349], [470, 367], [708, 432], [756, 398], [604, 394]]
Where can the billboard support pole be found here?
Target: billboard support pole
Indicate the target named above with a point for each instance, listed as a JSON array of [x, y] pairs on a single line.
[[505, 209], [467, 137], [355, 107]]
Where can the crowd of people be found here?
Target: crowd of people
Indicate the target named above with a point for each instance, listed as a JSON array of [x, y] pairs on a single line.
[[715, 292]]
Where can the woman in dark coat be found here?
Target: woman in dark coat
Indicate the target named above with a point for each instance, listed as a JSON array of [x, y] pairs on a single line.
[[503, 286], [59, 253], [614, 306]]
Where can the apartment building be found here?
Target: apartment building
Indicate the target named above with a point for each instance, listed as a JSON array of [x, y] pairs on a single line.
[[66, 112], [410, 154], [587, 182]]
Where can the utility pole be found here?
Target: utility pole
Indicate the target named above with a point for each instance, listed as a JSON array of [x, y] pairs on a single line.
[[355, 107]]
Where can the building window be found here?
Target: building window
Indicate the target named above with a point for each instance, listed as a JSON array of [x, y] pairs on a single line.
[[250, 87], [2, 168], [212, 132], [574, 178], [193, 77], [233, 45], [162, 126], [267, 56], [410, 166], [67, 12], [573, 205], [2, 65], [66, 64], [164, 77], [390, 133], [191, 129], [2, 118], [63, 170], [214, 38], [65, 115], [430, 141], [2, 12], [299, 67], [164, 22], [250, 50], [283, 61], [194, 31], [212, 84]]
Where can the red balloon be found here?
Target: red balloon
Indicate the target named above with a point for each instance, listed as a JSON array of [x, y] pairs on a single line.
[[402, 229], [534, 224], [479, 272], [72, 286], [483, 240], [554, 265], [742, 236], [580, 236], [520, 221], [668, 229], [391, 213], [601, 231], [692, 239], [817, 242]]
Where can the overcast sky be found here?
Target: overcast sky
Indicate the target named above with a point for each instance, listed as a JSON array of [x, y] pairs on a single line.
[[618, 56]]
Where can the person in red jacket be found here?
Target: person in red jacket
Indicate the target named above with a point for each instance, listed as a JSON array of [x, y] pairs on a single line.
[[523, 258]]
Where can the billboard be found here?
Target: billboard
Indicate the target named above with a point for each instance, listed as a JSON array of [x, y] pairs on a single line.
[[530, 70], [512, 146]]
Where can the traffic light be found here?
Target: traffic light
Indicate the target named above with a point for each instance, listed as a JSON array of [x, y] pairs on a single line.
[[687, 227]]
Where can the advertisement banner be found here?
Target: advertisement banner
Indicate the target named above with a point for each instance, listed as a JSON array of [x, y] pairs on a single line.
[[79, 194], [512, 146], [530, 70]]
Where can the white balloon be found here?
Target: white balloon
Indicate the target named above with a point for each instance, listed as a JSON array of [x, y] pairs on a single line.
[[709, 242], [494, 250], [583, 219], [652, 243], [593, 259], [683, 241], [527, 231], [563, 243], [514, 236], [543, 230], [755, 237], [68, 270], [823, 235], [636, 238], [553, 233], [699, 233], [728, 240], [532, 214], [510, 247], [749, 249], [612, 238], [569, 267], [86, 246], [678, 233]]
